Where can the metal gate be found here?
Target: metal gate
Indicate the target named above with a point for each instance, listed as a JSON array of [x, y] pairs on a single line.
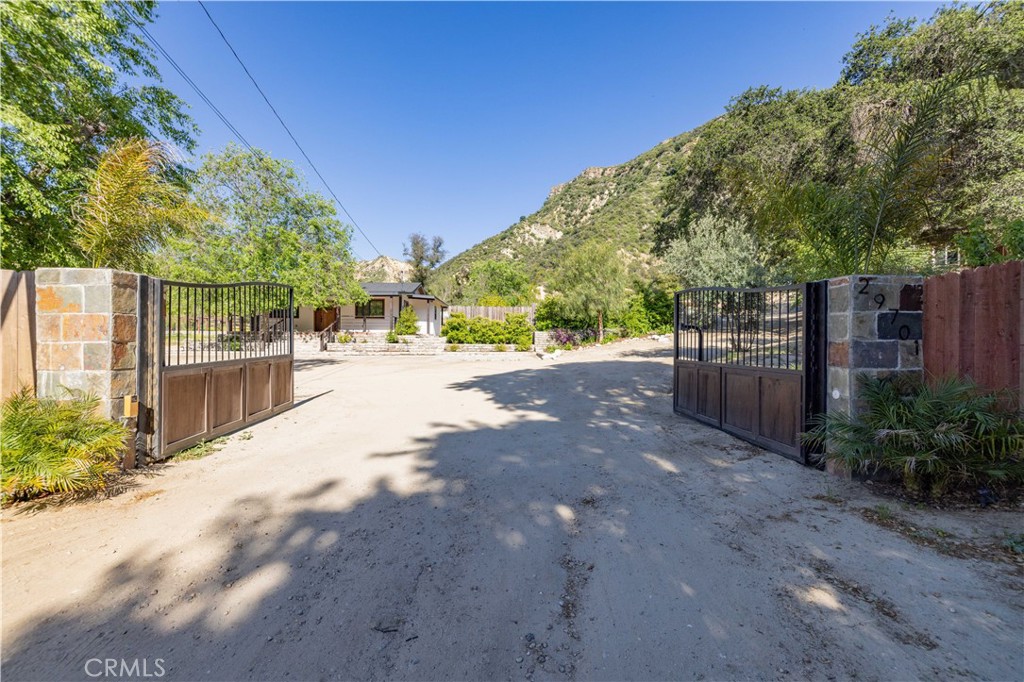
[[752, 361], [224, 358]]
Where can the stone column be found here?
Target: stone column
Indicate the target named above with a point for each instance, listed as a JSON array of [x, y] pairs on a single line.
[[874, 329], [87, 321]]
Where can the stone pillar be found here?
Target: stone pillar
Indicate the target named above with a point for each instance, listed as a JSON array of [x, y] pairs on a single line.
[[874, 329], [87, 322]]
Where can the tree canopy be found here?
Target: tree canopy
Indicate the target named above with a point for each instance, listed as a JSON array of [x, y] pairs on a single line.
[[423, 255], [76, 79], [497, 282], [270, 227], [593, 283]]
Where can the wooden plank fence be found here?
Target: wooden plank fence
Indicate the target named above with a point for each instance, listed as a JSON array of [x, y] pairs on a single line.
[[17, 331], [493, 312], [973, 326]]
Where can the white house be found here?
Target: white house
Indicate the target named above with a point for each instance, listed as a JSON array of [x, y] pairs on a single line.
[[379, 314]]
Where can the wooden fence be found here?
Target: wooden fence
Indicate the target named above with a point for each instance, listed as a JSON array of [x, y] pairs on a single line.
[[972, 325], [17, 331], [492, 312]]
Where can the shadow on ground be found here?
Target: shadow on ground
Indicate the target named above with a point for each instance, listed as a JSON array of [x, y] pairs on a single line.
[[584, 488]]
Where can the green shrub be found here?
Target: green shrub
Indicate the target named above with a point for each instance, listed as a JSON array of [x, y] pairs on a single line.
[[550, 314], [483, 330], [453, 347], [345, 337], [515, 329], [456, 328], [936, 436], [518, 330], [392, 337], [635, 320], [500, 347], [524, 347], [56, 446], [407, 322]]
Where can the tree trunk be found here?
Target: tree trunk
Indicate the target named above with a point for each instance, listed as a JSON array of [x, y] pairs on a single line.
[[600, 327]]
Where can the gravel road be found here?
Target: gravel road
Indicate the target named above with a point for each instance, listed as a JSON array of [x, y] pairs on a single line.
[[500, 518]]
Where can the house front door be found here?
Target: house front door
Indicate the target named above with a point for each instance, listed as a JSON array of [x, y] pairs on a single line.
[[324, 318]]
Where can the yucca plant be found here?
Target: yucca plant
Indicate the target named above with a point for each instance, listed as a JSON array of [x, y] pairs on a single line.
[[935, 435], [56, 446]]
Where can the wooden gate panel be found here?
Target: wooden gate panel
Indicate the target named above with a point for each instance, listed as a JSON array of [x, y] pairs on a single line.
[[185, 406], [709, 394], [740, 401], [686, 388], [281, 385], [780, 417], [228, 397], [257, 394]]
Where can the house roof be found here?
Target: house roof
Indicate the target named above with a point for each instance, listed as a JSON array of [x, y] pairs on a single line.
[[391, 288], [428, 297]]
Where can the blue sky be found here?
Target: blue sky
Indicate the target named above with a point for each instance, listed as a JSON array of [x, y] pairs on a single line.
[[457, 118]]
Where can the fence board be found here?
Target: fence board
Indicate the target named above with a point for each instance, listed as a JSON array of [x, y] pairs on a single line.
[[493, 312], [17, 331], [972, 325]]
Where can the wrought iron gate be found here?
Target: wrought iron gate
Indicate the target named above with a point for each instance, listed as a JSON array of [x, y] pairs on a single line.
[[752, 361], [224, 358]]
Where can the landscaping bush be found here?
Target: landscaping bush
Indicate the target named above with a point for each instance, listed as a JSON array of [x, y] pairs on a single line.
[[56, 446], [407, 322], [550, 314], [514, 330], [345, 337], [456, 328], [392, 337], [483, 330], [568, 338], [518, 330], [935, 436]]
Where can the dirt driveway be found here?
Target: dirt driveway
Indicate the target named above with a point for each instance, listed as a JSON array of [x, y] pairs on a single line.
[[500, 518]]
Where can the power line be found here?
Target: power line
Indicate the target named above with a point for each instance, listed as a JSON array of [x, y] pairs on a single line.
[[285, 126], [224, 119]]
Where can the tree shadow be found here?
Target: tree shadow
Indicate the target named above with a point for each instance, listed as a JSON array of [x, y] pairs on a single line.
[[580, 517]]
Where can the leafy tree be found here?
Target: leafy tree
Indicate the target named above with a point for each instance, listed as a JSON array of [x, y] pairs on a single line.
[[593, 283], [885, 203], [131, 206], [76, 78], [270, 227], [989, 244], [501, 280], [718, 252], [423, 255]]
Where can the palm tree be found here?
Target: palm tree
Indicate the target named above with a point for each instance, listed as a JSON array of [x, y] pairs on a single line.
[[131, 205], [854, 227]]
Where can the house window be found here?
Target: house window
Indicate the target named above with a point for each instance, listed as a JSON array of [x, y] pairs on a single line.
[[372, 308]]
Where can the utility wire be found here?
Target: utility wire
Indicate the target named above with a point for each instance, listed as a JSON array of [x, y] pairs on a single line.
[[224, 119], [285, 126]]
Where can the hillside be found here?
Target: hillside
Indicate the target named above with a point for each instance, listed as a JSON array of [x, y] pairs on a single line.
[[383, 269], [801, 168], [617, 203]]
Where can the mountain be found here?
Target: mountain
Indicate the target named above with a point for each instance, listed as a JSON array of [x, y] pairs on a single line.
[[383, 269], [771, 149], [615, 203]]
